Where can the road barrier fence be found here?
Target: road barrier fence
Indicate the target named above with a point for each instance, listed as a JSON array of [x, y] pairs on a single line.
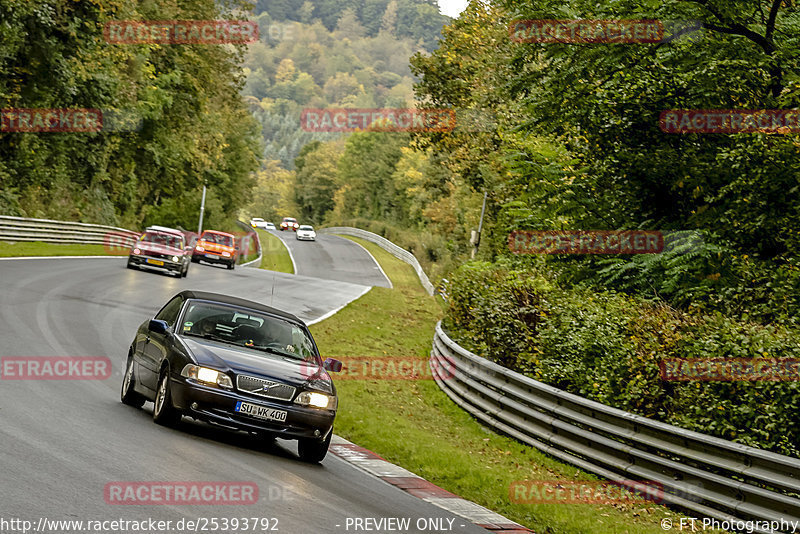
[[712, 477], [395, 250]]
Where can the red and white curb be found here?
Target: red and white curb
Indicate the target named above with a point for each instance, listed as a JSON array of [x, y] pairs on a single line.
[[417, 486]]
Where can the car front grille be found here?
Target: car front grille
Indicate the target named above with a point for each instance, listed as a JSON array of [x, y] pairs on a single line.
[[264, 388], [157, 255]]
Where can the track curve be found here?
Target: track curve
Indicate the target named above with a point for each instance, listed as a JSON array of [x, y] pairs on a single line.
[[63, 441]]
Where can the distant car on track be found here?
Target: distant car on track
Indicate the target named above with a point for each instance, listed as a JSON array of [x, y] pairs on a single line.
[[258, 222], [289, 223], [234, 363], [216, 247], [163, 249], [306, 233], [269, 226]]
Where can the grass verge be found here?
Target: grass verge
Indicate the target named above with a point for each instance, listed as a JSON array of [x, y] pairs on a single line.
[[274, 256], [414, 424], [38, 248]]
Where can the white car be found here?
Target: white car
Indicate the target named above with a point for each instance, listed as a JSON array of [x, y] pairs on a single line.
[[306, 233], [258, 222], [269, 226]]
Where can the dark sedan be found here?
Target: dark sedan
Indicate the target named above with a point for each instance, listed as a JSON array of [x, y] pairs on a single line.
[[237, 364]]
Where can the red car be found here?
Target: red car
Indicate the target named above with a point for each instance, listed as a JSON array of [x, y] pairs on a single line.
[[289, 223], [162, 249], [216, 247]]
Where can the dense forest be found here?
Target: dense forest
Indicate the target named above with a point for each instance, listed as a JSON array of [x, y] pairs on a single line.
[[185, 122]]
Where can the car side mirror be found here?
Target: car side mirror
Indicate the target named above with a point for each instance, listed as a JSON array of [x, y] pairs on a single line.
[[332, 365], [157, 326]]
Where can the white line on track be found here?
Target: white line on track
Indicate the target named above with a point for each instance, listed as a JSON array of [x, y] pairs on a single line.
[[318, 319], [391, 286], [60, 258]]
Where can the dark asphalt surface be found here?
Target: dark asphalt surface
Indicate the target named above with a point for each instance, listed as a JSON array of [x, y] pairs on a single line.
[[333, 258], [63, 441]]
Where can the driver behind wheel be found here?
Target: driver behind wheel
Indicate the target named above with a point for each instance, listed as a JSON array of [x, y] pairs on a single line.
[[250, 336]]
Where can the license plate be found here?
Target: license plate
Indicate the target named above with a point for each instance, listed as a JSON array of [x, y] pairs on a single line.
[[155, 262], [211, 256], [261, 412]]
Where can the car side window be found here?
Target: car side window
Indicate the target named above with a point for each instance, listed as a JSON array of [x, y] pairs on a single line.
[[169, 313]]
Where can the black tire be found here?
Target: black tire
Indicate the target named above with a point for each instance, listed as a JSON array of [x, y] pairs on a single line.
[[313, 450], [195, 260], [185, 271], [130, 265], [232, 265], [127, 394], [164, 413]]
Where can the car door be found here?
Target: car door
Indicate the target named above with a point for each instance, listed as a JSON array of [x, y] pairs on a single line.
[[155, 346]]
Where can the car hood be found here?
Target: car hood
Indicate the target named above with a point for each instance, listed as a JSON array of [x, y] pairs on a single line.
[[214, 246], [160, 249], [246, 361]]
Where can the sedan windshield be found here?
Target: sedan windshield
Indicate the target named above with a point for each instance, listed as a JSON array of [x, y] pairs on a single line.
[[246, 328], [307, 228], [162, 239], [218, 239]]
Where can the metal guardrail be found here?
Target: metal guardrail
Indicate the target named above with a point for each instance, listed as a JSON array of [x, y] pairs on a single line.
[[50, 231], [251, 235], [443, 289], [396, 251], [710, 476]]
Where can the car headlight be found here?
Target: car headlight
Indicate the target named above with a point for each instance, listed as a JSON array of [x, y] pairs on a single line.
[[198, 248], [137, 251], [204, 374], [317, 400], [175, 258], [226, 254]]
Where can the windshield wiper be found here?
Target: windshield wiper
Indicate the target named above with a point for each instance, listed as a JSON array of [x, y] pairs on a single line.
[[277, 352], [213, 337]]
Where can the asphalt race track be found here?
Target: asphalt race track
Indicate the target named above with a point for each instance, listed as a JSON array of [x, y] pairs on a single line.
[[64, 441], [333, 258]]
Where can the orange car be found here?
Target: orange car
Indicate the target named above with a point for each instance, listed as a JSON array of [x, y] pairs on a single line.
[[216, 247]]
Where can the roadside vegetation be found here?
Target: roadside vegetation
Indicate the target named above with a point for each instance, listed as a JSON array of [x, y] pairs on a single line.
[[414, 424], [38, 248], [274, 256], [727, 286], [173, 118]]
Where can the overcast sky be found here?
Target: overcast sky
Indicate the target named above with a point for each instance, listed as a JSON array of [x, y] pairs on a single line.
[[452, 7]]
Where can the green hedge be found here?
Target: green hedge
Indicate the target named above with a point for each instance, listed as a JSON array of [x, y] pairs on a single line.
[[606, 346]]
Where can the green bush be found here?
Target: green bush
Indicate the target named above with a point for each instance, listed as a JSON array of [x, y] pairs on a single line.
[[606, 346]]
